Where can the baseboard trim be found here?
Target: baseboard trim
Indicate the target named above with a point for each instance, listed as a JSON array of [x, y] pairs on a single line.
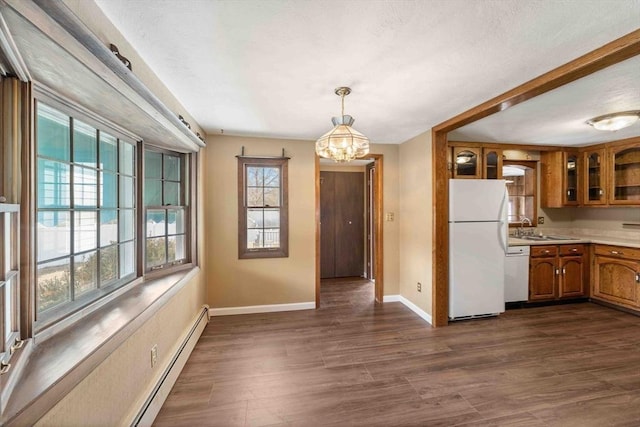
[[252, 309], [417, 310], [154, 402], [391, 298]]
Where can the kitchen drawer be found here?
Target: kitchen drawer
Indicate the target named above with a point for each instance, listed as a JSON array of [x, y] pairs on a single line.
[[571, 250], [543, 251], [618, 251]]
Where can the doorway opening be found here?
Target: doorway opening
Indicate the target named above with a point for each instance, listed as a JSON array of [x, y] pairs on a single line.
[[349, 224]]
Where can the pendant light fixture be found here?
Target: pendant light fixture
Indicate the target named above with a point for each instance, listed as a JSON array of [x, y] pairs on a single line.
[[342, 143], [615, 121]]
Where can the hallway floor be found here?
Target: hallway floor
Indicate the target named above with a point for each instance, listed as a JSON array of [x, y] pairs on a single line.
[[353, 363]]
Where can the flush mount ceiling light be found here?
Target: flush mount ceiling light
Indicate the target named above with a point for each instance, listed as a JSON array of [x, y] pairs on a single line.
[[342, 143], [615, 121]]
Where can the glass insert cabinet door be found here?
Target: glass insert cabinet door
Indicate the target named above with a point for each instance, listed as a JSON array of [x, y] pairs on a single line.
[[467, 162], [492, 164], [625, 162], [571, 170], [594, 176]]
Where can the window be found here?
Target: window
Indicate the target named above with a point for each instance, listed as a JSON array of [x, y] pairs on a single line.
[[262, 208], [86, 210], [166, 202], [521, 185], [9, 280]]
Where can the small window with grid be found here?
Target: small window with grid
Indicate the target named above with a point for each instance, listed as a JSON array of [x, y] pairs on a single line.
[[166, 204], [263, 222]]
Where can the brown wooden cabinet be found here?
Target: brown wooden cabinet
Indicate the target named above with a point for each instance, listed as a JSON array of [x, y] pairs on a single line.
[[467, 162], [594, 192], [561, 178], [557, 272], [616, 275], [624, 165], [492, 163]]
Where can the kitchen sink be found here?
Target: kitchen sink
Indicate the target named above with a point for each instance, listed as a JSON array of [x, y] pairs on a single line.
[[546, 238]]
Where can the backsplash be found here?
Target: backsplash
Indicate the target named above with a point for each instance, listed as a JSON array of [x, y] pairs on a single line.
[[598, 221]]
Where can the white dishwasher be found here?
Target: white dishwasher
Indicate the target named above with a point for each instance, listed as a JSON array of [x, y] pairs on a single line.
[[516, 274]]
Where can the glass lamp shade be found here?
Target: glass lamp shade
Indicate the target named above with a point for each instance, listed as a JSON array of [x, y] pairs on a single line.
[[342, 143], [615, 121]]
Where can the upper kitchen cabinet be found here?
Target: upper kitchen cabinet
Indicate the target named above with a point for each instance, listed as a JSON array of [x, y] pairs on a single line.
[[467, 162], [625, 174], [594, 173], [492, 161], [560, 179]]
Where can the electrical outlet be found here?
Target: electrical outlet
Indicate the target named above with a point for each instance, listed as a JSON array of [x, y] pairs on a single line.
[[419, 287], [154, 355], [540, 220]]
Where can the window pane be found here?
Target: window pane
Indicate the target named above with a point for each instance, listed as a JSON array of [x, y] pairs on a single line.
[[255, 218], [108, 227], [108, 190], [53, 284], [271, 196], [108, 265], [271, 238], [156, 252], [152, 165], [172, 193], [176, 221], [126, 192], [156, 223], [272, 218], [171, 168], [53, 133], [126, 225], [254, 176], [255, 196], [85, 272], [126, 158], [54, 234], [108, 152], [127, 259], [85, 231], [271, 177], [152, 192], [54, 182], [85, 147], [85, 187], [254, 239], [10, 306], [181, 243]]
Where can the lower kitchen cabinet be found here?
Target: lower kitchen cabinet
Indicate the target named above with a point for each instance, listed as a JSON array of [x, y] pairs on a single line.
[[557, 272], [616, 275]]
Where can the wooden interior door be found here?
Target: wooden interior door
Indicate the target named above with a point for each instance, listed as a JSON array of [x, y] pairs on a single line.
[[342, 224]]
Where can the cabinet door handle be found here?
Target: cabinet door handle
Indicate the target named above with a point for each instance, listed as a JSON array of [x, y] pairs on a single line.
[[637, 277], [546, 252], [564, 271], [601, 192], [557, 271], [616, 253], [574, 249]]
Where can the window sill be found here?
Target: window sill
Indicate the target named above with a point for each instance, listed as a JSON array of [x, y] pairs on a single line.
[[55, 366]]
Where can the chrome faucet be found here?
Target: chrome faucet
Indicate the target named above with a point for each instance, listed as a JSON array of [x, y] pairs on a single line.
[[522, 221]]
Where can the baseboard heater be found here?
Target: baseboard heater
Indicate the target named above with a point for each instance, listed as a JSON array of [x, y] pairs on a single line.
[[152, 405]]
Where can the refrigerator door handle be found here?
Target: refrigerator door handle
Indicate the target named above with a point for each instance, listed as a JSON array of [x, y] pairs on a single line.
[[504, 223]]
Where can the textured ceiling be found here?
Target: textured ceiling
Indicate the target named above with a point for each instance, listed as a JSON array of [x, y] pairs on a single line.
[[559, 116], [268, 68]]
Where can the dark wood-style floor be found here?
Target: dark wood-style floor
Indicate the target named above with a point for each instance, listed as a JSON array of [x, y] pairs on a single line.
[[352, 363]]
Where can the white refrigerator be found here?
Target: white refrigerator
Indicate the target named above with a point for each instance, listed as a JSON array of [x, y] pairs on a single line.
[[478, 233]]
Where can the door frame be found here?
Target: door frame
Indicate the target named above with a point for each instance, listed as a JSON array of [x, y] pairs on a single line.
[[378, 227], [614, 52]]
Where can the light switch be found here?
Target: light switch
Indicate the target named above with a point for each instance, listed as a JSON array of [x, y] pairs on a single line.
[[389, 217]]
